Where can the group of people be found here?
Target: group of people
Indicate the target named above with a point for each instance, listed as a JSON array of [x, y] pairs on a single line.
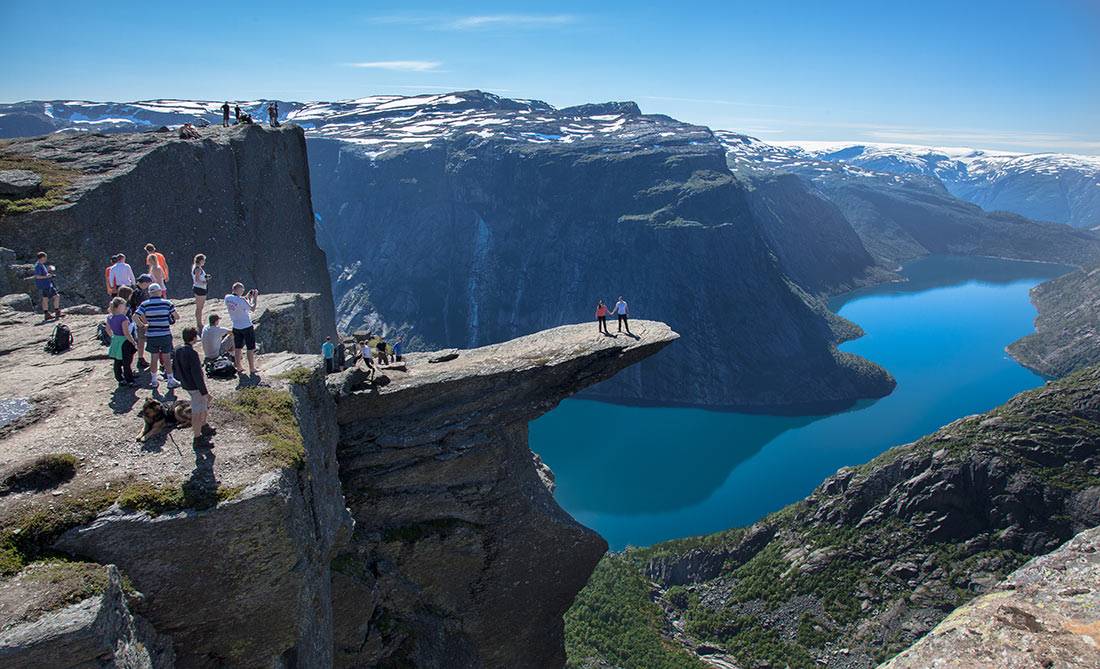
[[246, 118], [139, 322], [374, 350]]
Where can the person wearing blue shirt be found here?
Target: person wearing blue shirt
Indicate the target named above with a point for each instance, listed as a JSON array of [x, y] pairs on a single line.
[[328, 351], [43, 280], [398, 349], [158, 314]]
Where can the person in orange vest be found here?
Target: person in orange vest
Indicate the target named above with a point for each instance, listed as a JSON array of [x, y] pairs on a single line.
[[151, 250]]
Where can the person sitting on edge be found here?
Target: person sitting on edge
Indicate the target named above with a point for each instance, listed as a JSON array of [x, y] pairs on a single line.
[[159, 314], [139, 295], [216, 340], [43, 280], [123, 345], [328, 352], [189, 368], [120, 274], [621, 311], [601, 317], [244, 333]]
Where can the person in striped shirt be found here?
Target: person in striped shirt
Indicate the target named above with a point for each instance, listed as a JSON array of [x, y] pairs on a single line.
[[158, 314]]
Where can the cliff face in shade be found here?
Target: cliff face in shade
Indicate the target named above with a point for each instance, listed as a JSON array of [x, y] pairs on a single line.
[[468, 238], [240, 195], [1067, 330], [461, 556]]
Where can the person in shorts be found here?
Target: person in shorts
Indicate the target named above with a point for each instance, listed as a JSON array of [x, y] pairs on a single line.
[[158, 314], [240, 307], [199, 277], [43, 280], [189, 368]]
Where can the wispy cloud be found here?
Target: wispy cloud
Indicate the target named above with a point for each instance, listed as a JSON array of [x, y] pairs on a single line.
[[478, 21], [401, 65], [454, 87]]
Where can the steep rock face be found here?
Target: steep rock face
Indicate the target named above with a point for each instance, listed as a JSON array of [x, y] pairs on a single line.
[[97, 631], [1046, 614], [241, 195], [879, 554], [481, 239], [461, 556], [814, 242], [1067, 330]]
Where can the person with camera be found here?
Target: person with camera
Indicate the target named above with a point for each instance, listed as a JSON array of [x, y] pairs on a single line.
[[240, 307]]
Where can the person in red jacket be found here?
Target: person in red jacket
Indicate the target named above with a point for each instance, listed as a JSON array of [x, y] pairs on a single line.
[[601, 317]]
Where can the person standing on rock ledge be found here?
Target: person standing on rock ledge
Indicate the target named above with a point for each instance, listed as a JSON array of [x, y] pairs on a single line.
[[240, 310], [225, 114], [120, 274], [158, 314], [328, 352], [601, 317], [162, 262], [43, 280], [189, 368], [199, 277], [622, 312]]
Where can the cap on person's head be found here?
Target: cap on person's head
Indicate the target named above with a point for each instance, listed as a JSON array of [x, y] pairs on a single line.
[[121, 256], [144, 278], [154, 288], [150, 248], [238, 285], [40, 254]]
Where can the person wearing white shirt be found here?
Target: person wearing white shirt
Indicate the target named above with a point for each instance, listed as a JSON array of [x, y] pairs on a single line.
[[621, 311], [240, 308], [121, 274], [216, 340]]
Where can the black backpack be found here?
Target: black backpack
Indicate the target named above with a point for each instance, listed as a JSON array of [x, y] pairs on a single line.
[[220, 368], [62, 339], [103, 334]]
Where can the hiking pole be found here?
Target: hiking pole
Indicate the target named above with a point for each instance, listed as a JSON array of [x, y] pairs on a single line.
[[173, 438]]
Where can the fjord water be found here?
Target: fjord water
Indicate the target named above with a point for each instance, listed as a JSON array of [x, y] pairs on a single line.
[[639, 475]]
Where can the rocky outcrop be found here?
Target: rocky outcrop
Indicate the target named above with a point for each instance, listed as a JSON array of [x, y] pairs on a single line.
[[461, 556], [240, 195], [1046, 614], [1067, 330], [880, 554], [19, 183], [98, 630], [530, 232]]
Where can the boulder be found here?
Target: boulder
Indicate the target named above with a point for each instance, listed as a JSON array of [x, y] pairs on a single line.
[[17, 301], [19, 183]]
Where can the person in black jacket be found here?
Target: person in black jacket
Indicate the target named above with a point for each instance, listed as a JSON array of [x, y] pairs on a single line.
[[225, 114], [188, 368]]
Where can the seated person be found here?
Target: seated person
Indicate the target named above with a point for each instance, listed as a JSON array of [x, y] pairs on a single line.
[[216, 340]]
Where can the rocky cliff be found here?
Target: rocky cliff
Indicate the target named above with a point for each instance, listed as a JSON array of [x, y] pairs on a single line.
[[239, 195], [490, 218], [1067, 330], [879, 554], [1043, 615], [244, 555]]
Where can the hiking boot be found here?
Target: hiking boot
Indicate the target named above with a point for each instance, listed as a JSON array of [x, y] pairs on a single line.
[[202, 442], [173, 383], [208, 431]]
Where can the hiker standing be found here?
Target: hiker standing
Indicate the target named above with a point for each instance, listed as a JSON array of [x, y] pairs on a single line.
[[621, 311], [398, 349], [162, 263], [43, 280], [123, 345], [328, 352], [120, 274], [225, 114], [112, 289], [199, 277], [140, 294], [189, 368], [237, 113], [601, 317], [273, 114], [158, 314], [240, 310]]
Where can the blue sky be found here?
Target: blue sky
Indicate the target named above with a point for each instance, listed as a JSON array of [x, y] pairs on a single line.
[[1011, 75]]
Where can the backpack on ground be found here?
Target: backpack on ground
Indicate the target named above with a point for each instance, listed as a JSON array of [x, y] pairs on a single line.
[[220, 368], [103, 334], [62, 339]]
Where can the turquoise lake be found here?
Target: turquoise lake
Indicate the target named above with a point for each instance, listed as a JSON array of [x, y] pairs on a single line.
[[639, 475]]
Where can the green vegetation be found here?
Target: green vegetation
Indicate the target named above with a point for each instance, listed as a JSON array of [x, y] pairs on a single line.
[[80, 580], [45, 471], [55, 181], [157, 500], [269, 413], [614, 619], [29, 532]]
